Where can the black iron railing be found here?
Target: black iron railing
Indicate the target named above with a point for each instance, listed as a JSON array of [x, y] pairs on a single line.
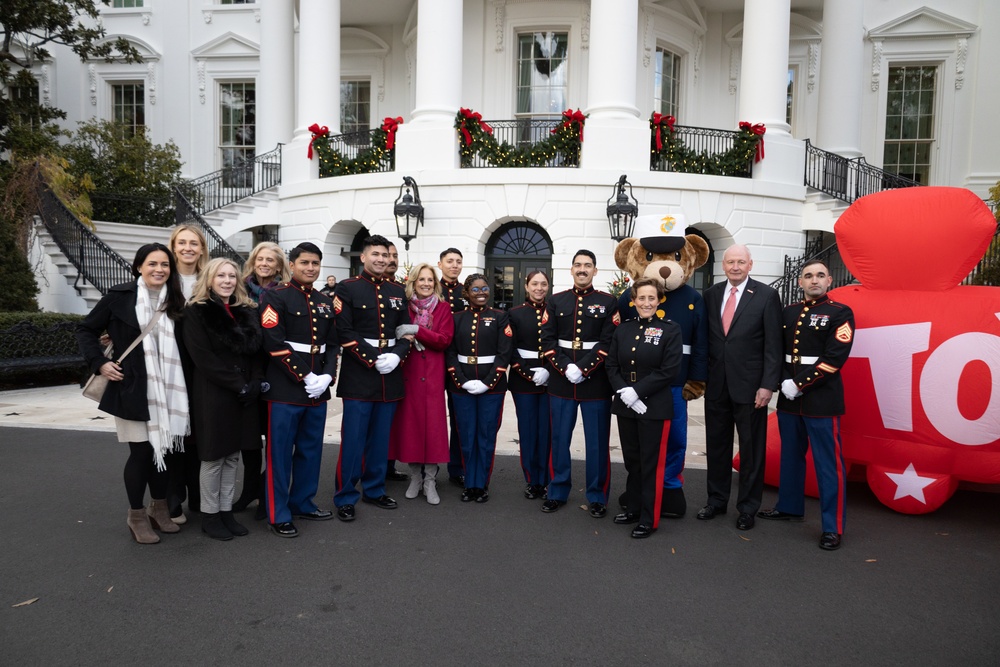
[[848, 179], [520, 134], [987, 272], [93, 259], [353, 144], [28, 347], [154, 211], [231, 184], [788, 284], [217, 246], [705, 143]]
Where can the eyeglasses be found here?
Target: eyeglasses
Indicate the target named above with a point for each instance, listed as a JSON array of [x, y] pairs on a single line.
[[479, 290]]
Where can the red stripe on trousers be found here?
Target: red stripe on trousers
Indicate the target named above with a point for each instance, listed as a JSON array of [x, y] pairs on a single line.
[[661, 464], [839, 463], [270, 465]]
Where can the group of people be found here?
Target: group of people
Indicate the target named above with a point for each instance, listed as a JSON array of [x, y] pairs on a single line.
[[227, 360]]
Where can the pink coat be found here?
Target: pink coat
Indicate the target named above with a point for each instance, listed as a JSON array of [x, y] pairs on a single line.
[[420, 428]]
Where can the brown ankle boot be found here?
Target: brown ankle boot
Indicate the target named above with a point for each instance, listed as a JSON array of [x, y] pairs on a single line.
[[159, 516], [138, 523]]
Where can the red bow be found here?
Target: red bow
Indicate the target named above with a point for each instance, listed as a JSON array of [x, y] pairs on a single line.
[[476, 116], [570, 117], [389, 126], [758, 129], [659, 118], [317, 131]]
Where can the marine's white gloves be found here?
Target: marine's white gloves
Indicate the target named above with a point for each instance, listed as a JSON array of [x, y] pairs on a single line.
[[387, 362], [540, 376], [628, 396], [574, 374], [475, 387], [790, 389]]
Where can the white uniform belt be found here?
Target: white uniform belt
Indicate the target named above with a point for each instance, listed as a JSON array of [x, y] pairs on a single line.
[[577, 344], [796, 359], [475, 361], [685, 349], [302, 347], [381, 342], [528, 354]]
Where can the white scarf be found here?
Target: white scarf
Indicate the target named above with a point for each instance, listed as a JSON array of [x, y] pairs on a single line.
[[165, 388]]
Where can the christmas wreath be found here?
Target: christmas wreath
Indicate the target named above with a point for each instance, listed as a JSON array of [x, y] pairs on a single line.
[[380, 155], [476, 138], [666, 148]]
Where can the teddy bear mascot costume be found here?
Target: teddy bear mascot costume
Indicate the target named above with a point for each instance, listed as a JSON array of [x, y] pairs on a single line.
[[659, 249]]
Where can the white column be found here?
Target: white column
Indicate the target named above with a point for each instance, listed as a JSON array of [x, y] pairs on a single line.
[[841, 69], [764, 89], [427, 140], [615, 137], [318, 94], [276, 81]]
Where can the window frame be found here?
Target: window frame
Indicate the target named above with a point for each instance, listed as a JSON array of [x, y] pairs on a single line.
[[112, 85], [518, 33], [220, 148], [369, 121], [935, 121], [681, 63]]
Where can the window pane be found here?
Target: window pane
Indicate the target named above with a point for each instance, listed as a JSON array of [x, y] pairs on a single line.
[[666, 83], [909, 122], [128, 107], [355, 108], [237, 118], [542, 73]]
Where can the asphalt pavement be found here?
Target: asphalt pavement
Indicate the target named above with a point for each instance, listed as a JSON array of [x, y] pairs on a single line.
[[494, 584]]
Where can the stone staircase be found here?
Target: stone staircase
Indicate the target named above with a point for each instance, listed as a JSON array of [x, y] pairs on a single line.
[[254, 211], [821, 211]]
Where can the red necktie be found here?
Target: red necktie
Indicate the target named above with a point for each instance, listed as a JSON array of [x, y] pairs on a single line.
[[728, 310]]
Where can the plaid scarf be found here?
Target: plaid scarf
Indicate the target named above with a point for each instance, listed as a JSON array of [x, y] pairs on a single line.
[[165, 388]]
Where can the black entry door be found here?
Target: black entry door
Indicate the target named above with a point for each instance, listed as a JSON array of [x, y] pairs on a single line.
[[514, 251]]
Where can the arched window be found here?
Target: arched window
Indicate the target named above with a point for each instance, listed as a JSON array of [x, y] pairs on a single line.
[[514, 250]]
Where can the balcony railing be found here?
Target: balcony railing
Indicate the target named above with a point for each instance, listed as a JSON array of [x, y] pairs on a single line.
[[231, 184], [153, 211], [361, 152], [848, 179], [520, 135], [705, 152]]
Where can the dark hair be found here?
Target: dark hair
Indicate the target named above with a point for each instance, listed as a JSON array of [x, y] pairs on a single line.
[[391, 245], [815, 261], [468, 284], [174, 300], [305, 246], [450, 251], [532, 274], [375, 239], [651, 282], [587, 253]]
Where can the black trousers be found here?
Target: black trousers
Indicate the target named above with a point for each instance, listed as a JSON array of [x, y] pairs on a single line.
[[723, 417], [183, 470], [644, 448]]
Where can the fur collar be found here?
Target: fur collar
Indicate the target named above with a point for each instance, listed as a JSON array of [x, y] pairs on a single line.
[[240, 334]]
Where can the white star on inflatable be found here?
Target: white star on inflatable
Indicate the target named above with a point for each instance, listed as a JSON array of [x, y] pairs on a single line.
[[909, 483]]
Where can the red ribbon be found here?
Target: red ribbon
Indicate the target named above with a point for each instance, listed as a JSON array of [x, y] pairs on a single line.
[[317, 131], [570, 117], [389, 126], [758, 129], [659, 118], [469, 114]]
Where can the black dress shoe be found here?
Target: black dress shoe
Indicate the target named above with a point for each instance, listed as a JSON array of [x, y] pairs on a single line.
[[382, 502], [710, 512], [457, 480], [531, 492], [777, 515], [482, 496], [345, 512], [627, 517], [598, 510], [396, 476], [318, 515], [642, 530], [744, 521], [285, 529], [829, 541], [552, 505], [468, 495]]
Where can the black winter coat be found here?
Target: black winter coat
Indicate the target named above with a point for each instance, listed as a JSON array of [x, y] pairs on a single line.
[[115, 313], [226, 354]]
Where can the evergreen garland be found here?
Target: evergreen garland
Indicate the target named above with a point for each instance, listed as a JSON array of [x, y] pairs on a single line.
[[476, 138], [667, 148], [379, 156]]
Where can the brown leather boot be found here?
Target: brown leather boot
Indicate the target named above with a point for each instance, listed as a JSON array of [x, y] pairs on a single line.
[[159, 516], [138, 523]]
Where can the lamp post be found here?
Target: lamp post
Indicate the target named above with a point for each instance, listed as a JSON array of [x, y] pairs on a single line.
[[409, 211], [622, 209]]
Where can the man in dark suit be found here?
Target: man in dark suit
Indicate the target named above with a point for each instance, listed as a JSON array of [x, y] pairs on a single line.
[[744, 370]]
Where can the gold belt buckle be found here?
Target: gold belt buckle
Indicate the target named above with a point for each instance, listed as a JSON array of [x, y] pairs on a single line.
[[633, 376], [382, 342], [577, 345], [314, 349], [473, 361], [796, 358]]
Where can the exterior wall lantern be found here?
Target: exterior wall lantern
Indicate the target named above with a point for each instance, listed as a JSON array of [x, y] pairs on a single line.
[[622, 209], [409, 211]]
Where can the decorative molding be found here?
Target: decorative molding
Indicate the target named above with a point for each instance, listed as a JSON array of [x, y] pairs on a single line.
[[411, 57], [207, 15], [92, 74], [380, 76], [876, 63], [647, 38], [961, 54], [256, 15], [734, 69], [814, 53], [499, 12], [151, 82], [201, 81], [699, 44], [585, 28], [146, 18], [45, 85]]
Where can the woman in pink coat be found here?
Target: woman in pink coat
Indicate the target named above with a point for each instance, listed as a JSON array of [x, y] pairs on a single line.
[[420, 429]]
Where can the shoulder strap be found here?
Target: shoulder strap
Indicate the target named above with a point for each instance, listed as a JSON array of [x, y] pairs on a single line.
[[149, 327]]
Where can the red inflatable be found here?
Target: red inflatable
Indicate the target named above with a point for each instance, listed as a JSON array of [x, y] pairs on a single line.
[[922, 386]]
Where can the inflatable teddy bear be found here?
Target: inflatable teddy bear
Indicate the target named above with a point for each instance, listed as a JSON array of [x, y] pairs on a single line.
[[659, 249], [922, 384]]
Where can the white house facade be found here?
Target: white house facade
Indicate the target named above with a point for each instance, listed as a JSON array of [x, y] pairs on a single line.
[[903, 84]]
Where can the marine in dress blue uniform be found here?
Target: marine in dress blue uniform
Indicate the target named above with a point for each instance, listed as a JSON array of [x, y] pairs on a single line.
[[576, 332], [818, 335], [531, 401], [368, 310], [301, 338]]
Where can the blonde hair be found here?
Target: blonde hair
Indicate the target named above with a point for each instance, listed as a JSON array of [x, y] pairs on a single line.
[[283, 274], [187, 227], [411, 280], [203, 287]]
